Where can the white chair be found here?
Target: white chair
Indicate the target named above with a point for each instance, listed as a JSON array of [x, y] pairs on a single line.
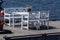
[[8, 17], [34, 17], [44, 19]]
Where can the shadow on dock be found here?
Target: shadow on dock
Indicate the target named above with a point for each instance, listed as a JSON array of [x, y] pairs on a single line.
[[51, 27], [6, 32], [43, 28]]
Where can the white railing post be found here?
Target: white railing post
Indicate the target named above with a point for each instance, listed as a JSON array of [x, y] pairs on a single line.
[[48, 21], [39, 20], [9, 20], [13, 20], [28, 22], [22, 22]]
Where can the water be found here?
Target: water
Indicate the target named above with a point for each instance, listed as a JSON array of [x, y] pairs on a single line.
[[37, 38], [37, 5]]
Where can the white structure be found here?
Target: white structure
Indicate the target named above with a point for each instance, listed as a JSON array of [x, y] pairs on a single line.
[[22, 16], [28, 19], [8, 13]]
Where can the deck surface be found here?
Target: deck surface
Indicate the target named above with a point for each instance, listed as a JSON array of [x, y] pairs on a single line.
[[19, 32]]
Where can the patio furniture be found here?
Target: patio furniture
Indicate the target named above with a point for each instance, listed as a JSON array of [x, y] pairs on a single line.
[[36, 18], [44, 19]]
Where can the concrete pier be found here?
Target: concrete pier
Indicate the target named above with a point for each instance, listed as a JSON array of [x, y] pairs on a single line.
[[33, 33]]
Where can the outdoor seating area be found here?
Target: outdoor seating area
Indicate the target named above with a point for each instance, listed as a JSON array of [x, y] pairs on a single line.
[[26, 19]]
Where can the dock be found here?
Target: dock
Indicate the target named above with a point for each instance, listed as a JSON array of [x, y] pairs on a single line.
[[18, 33]]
